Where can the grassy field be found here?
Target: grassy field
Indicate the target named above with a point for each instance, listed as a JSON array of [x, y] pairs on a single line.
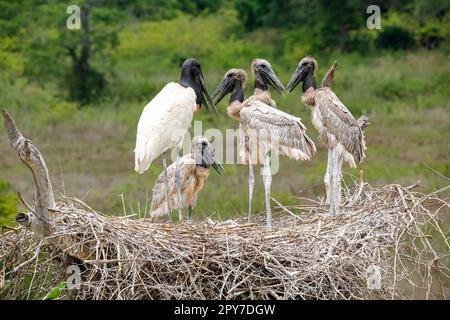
[[89, 150]]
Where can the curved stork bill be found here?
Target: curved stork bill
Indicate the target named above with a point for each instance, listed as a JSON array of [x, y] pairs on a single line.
[[225, 87], [304, 71], [205, 156], [265, 76], [192, 76], [269, 77]]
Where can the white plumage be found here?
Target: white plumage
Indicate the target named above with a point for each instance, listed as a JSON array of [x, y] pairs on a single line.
[[166, 119], [163, 123]]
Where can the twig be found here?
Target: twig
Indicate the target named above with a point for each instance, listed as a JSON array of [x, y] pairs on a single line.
[[439, 174], [24, 202]]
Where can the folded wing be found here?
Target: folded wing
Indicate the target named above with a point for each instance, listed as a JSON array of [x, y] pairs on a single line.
[[283, 132], [339, 121], [163, 123], [187, 173]]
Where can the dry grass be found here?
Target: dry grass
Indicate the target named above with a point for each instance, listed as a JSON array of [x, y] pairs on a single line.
[[307, 255]]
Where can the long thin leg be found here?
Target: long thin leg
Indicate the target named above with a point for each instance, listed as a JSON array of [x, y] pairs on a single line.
[[178, 185], [338, 178], [326, 178], [251, 185], [190, 213], [336, 181], [166, 178], [267, 178], [331, 174]]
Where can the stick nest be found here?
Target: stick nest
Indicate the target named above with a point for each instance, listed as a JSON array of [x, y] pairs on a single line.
[[387, 242]]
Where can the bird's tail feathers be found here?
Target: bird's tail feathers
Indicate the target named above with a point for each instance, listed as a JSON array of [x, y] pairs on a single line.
[[158, 213], [140, 165], [142, 157], [294, 153]]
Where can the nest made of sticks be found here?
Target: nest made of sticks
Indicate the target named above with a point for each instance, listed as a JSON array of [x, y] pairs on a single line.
[[384, 240]]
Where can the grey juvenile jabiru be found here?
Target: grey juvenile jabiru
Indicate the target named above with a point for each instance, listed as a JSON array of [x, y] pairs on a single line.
[[263, 127], [339, 131], [194, 171]]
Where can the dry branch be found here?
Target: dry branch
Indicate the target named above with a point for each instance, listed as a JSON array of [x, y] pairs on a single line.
[[41, 217]]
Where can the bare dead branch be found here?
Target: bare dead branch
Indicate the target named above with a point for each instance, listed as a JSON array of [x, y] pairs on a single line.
[[33, 159]]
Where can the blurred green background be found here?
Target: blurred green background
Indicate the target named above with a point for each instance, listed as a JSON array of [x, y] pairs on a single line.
[[78, 94]]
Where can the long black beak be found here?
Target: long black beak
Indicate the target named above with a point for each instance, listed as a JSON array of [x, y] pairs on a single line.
[[297, 77], [225, 87], [209, 156], [206, 97], [271, 78]]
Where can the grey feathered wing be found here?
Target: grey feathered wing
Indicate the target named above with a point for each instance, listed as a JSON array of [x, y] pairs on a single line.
[[187, 172], [339, 121], [282, 132]]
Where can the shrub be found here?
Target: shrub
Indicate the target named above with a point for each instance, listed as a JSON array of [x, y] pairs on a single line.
[[430, 37], [85, 85], [395, 38], [358, 41], [399, 88]]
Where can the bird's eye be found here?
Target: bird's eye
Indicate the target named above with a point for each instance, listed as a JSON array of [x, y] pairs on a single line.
[[231, 75]]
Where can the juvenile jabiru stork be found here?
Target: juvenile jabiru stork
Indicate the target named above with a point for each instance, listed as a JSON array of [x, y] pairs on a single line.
[[327, 81], [194, 172], [362, 121], [263, 127], [339, 131], [166, 119]]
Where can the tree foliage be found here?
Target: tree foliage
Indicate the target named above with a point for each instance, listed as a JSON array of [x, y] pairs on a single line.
[[35, 42]]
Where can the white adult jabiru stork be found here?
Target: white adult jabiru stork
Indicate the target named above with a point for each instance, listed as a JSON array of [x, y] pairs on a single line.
[[194, 172], [339, 131], [166, 119], [272, 129]]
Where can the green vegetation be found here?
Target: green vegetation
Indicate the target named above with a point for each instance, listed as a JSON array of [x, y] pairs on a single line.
[[8, 204], [85, 123], [56, 292]]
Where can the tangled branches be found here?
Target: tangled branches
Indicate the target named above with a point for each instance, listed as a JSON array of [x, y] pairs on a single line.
[[386, 243]]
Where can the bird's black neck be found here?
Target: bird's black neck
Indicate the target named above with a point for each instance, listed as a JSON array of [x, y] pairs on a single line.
[[187, 80], [204, 165], [199, 159], [259, 84], [309, 82], [237, 94]]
